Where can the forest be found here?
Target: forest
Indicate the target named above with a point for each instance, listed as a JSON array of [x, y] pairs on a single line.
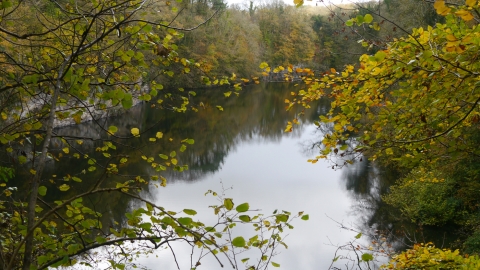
[[400, 79]]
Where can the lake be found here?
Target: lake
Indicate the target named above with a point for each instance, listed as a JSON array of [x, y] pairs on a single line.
[[245, 151]]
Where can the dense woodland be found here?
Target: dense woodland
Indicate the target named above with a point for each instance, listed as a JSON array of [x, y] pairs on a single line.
[[401, 78]]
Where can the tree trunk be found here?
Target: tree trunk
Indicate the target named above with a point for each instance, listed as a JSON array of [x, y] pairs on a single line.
[[32, 200]]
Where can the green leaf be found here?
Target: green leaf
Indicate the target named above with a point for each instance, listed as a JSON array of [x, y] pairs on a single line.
[[64, 187], [167, 220], [242, 207], [135, 132], [380, 55], [228, 203], [245, 218], [305, 217], [367, 257], [127, 101], [180, 231], [100, 239], [22, 159], [359, 19], [368, 18], [282, 218], [154, 92], [6, 4], [185, 221], [112, 129], [358, 236], [349, 23], [210, 229], [238, 242], [173, 154], [42, 190], [190, 212], [275, 264], [42, 259], [146, 226]]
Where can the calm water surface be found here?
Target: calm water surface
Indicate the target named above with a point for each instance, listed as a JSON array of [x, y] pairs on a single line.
[[273, 175], [245, 151]]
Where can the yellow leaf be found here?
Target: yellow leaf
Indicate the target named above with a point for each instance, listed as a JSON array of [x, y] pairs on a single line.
[[66, 150], [464, 14], [441, 8], [298, 2], [159, 135], [164, 181], [451, 38], [64, 187], [135, 132], [289, 127], [471, 3]]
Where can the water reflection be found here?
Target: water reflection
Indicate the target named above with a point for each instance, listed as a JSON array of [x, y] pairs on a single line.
[[366, 184], [245, 147], [258, 114]]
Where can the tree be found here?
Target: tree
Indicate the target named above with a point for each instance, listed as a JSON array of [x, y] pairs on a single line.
[[429, 257], [415, 100], [413, 103], [65, 61]]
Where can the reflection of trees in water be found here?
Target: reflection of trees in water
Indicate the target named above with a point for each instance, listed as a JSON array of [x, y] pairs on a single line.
[[257, 114], [367, 183]]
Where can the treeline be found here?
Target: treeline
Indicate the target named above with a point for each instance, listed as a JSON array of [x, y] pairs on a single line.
[[239, 37]]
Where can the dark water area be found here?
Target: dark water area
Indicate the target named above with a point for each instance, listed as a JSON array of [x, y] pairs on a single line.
[[244, 147]]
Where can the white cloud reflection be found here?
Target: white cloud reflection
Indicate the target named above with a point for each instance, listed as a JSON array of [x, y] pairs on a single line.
[[270, 176]]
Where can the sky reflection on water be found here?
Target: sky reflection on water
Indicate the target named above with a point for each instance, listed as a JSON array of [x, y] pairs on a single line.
[[271, 175]]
